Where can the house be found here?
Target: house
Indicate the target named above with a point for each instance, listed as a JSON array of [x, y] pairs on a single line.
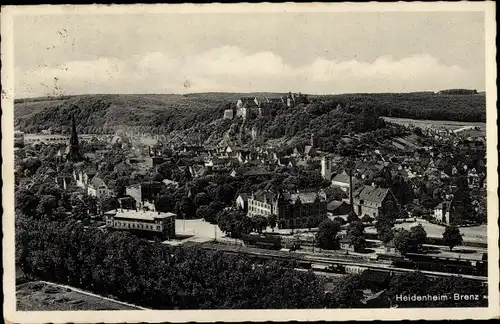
[[332, 193], [251, 173], [97, 188], [442, 212], [242, 202], [64, 182], [142, 192], [228, 114], [261, 203], [473, 178], [342, 181], [370, 200], [83, 177], [336, 207]]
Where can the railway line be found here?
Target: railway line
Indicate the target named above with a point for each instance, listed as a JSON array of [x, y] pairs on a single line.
[[336, 265]]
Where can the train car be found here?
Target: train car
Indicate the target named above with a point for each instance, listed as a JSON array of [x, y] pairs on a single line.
[[261, 241], [354, 269]]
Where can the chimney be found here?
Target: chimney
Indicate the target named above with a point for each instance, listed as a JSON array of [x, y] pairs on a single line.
[[350, 187]]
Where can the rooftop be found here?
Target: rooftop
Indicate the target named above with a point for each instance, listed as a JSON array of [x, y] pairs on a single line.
[[142, 214], [372, 194]]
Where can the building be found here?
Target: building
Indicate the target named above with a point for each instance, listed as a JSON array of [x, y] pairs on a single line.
[[162, 224], [261, 203], [336, 208], [326, 168], [228, 114], [142, 192], [247, 107], [371, 201], [293, 210], [442, 212], [242, 202], [33, 139], [83, 177], [300, 210], [251, 173], [341, 180], [74, 152], [97, 188]]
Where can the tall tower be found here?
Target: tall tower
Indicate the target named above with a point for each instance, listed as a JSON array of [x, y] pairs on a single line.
[[313, 140], [326, 168], [74, 151]]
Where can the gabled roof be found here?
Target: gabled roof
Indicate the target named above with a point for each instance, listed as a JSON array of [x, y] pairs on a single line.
[[334, 204], [332, 192], [342, 177], [305, 197], [260, 195], [243, 196], [308, 149], [371, 194], [96, 182]]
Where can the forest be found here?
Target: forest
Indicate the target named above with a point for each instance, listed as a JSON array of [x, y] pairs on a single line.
[[161, 114]]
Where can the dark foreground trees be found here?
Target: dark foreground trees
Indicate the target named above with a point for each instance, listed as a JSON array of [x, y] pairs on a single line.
[[157, 276]]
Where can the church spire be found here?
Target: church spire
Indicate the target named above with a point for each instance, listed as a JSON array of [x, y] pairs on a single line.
[[73, 142]]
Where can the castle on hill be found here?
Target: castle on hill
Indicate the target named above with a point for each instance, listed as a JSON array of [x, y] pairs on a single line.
[[249, 107]]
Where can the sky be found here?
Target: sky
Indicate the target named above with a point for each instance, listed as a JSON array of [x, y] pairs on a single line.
[[317, 53]]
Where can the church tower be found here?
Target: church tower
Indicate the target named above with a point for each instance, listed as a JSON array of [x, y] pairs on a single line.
[[74, 150], [326, 168]]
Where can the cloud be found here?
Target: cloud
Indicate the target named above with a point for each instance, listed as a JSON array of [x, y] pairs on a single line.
[[229, 68]]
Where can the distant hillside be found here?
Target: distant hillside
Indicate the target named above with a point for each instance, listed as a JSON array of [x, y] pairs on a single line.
[[164, 113], [421, 105]]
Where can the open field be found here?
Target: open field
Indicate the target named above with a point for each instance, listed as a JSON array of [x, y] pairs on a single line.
[[424, 123], [42, 296]]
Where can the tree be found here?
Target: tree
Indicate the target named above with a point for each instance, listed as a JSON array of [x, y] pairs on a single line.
[[352, 217], [327, 235], [418, 237], [347, 292], [403, 241], [47, 206], [271, 221], [201, 198], [366, 219], [109, 203], [452, 236], [386, 235], [355, 235], [26, 202], [260, 223], [207, 213]]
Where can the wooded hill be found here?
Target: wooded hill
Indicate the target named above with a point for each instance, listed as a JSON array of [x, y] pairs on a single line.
[[165, 113]]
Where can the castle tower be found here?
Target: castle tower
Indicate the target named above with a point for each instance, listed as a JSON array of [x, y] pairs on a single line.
[[326, 168], [74, 150]]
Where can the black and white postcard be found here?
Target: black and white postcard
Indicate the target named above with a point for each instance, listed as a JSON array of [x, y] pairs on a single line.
[[249, 162]]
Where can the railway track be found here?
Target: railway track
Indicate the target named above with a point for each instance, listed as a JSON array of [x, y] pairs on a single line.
[[307, 260]]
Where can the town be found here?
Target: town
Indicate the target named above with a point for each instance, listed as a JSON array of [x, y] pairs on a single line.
[[379, 206]]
